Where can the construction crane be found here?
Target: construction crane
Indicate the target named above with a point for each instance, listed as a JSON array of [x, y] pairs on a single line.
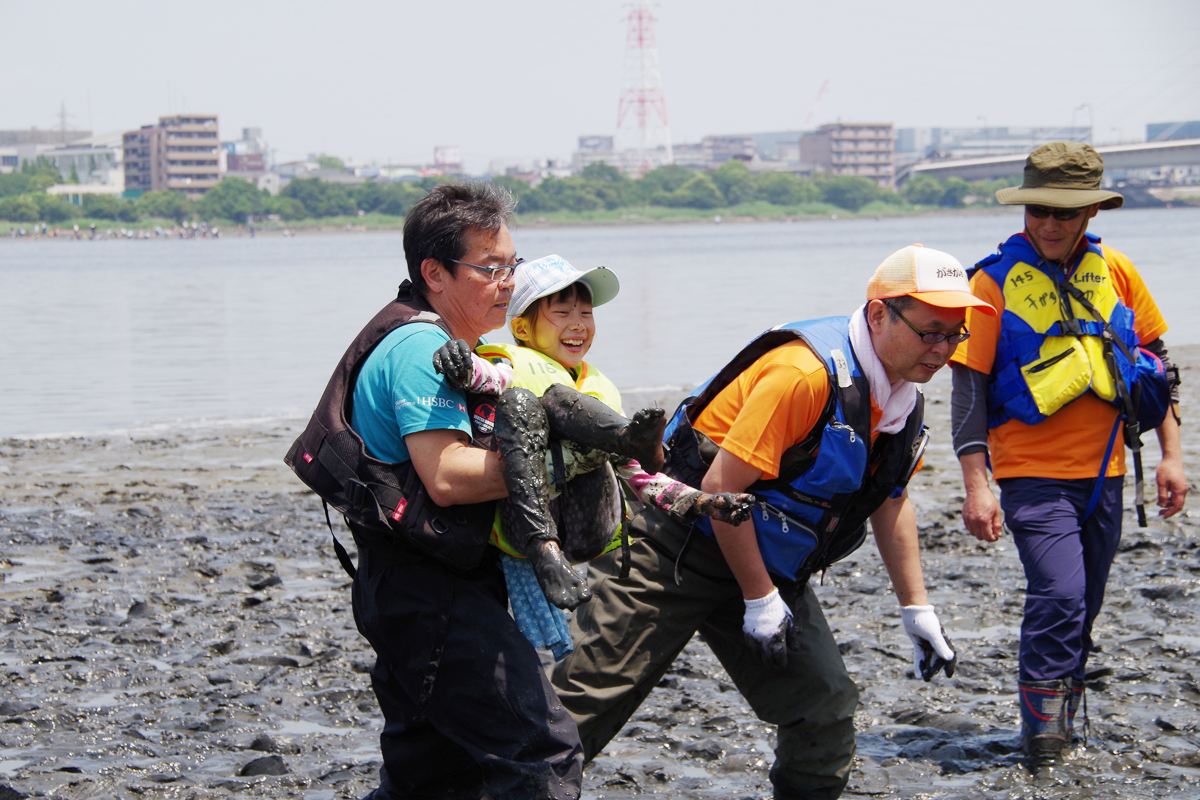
[[812, 110]]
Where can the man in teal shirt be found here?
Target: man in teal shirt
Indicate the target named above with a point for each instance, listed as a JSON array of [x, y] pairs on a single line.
[[398, 393], [468, 710]]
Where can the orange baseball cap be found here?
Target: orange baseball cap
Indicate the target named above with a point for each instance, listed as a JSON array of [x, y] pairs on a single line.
[[929, 275]]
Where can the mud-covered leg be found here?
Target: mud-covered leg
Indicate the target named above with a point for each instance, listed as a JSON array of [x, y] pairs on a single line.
[[585, 419], [588, 512], [522, 432]]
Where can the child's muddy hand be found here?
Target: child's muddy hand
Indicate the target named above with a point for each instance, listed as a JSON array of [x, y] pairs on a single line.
[[453, 359], [725, 506]]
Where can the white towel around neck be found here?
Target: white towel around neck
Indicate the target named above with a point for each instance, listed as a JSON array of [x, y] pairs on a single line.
[[896, 399]]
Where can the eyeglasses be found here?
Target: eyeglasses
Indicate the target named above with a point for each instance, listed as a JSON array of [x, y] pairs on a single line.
[[1060, 214], [931, 337], [498, 274]]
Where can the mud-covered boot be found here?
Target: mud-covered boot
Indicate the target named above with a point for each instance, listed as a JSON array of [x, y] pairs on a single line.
[[522, 433], [585, 419], [1044, 728]]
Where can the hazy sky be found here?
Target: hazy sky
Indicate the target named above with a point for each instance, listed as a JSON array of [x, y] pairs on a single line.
[[367, 79]]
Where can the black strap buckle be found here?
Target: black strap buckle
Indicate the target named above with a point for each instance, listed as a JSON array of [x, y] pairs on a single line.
[[1071, 327], [357, 493]]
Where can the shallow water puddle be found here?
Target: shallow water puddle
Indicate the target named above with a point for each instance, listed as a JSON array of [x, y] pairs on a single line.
[[32, 569], [992, 633], [300, 727], [1192, 642], [102, 700]]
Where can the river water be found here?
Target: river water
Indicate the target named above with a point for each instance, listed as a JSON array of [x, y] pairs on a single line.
[[117, 335]]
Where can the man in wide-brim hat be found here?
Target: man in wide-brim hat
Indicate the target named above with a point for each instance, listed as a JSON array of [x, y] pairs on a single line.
[[1041, 390], [1062, 175]]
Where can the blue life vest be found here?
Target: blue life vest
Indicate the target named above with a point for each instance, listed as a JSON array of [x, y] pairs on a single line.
[[815, 512], [1052, 348]]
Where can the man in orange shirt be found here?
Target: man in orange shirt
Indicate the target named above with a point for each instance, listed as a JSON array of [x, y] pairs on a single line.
[[822, 421], [1038, 388]]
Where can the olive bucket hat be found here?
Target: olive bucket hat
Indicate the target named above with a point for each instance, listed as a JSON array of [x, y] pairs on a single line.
[[1061, 175]]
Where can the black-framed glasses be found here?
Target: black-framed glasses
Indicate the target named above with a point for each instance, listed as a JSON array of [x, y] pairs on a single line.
[[1060, 214], [931, 337], [498, 274]]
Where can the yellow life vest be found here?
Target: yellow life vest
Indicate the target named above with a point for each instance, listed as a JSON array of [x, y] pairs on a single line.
[[1075, 363], [1051, 348], [537, 373]]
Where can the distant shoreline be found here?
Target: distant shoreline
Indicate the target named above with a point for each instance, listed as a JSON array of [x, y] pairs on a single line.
[[379, 223], [376, 223]]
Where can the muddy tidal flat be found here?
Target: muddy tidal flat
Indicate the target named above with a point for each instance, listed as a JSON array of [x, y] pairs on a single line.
[[175, 625]]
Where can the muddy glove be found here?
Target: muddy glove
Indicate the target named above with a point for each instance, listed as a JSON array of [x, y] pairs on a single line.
[[724, 506], [468, 372], [454, 360], [768, 629], [932, 651]]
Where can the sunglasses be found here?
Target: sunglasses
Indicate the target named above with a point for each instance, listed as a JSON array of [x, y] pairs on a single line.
[[1060, 214]]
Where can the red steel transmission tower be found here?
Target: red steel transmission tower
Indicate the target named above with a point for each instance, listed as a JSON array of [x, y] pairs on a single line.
[[643, 139]]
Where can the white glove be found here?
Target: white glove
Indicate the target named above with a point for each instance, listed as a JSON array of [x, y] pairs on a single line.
[[768, 629], [932, 651]]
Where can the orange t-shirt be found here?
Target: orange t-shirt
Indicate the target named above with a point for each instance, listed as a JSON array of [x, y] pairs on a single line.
[[1071, 442], [770, 407]]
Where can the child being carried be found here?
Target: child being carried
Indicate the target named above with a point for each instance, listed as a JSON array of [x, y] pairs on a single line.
[[546, 391]]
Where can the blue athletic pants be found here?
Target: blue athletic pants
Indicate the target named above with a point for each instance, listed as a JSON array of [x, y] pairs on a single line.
[[1066, 562]]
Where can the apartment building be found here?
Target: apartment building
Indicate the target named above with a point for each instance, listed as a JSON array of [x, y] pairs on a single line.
[[863, 149], [719, 149], [180, 153]]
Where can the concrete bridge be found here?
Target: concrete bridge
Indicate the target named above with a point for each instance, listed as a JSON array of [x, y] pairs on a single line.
[[1151, 155]]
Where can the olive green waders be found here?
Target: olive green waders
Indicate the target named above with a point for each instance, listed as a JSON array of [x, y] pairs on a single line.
[[629, 634]]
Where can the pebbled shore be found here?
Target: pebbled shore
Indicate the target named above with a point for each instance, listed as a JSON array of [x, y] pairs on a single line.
[[175, 626]]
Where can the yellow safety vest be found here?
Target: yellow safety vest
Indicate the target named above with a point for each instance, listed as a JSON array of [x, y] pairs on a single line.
[[1051, 349], [537, 373]]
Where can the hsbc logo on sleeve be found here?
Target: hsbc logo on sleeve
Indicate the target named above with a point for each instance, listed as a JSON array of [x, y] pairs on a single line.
[[439, 402]]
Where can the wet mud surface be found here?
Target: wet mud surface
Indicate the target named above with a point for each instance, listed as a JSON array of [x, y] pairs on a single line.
[[173, 624]]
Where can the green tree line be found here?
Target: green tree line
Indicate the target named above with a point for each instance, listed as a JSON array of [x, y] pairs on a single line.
[[599, 186], [234, 199]]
